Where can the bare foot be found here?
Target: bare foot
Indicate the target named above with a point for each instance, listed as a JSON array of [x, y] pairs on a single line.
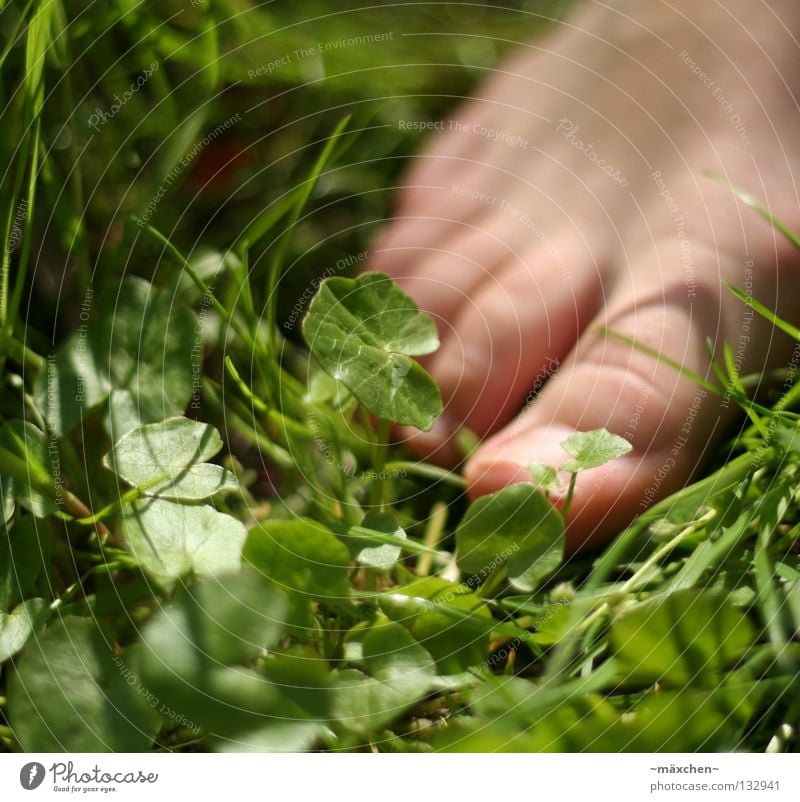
[[574, 193]]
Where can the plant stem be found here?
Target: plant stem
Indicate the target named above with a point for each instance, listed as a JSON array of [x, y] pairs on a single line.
[[378, 496], [232, 322], [613, 556], [426, 471], [493, 582], [344, 530], [282, 246], [125, 498], [13, 348], [661, 552], [633, 581], [570, 493], [24, 471], [433, 533]]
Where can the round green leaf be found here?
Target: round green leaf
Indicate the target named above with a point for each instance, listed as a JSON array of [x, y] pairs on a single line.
[[174, 449], [138, 338], [121, 414], [198, 656], [363, 332], [189, 649], [383, 556], [170, 540], [399, 673], [517, 526], [302, 558], [592, 449], [68, 694], [686, 720], [16, 627], [457, 644], [544, 477], [686, 636], [277, 736]]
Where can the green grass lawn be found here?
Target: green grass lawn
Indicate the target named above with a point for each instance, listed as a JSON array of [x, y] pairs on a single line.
[[208, 543]]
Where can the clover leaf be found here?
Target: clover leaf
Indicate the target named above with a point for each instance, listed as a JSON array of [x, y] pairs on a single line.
[[71, 693], [516, 526], [364, 331], [135, 338], [174, 449], [170, 540], [592, 449]]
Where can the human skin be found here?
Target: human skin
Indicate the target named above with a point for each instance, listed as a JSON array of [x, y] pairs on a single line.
[[582, 189]]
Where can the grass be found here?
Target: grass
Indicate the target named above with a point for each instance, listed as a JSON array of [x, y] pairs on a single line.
[[208, 543]]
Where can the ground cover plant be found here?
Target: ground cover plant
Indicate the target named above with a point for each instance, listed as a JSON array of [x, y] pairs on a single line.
[[209, 540]]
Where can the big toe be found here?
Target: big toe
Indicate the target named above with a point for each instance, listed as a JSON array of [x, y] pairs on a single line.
[[606, 383]]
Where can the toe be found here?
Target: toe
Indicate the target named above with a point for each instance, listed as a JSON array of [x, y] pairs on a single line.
[[606, 383], [509, 337]]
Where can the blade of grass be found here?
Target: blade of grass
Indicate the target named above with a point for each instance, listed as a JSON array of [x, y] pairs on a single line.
[[427, 471], [433, 534], [646, 349], [365, 533], [772, 510], [766, 313], [710, 553], [14, 36], [737, 389], [37, 42], [15, 206], [266, 220], [749, 200], [209, 41], [690, 502], [695, 377], [201, 284], [282, 245], [27, 238]]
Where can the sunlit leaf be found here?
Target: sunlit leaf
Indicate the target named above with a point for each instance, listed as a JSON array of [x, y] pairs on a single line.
[[397, 672], [592, 449], [171, 540], [175, 449], [364, 332]]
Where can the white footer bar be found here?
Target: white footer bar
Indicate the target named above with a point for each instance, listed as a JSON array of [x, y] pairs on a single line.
[[400, 778]]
